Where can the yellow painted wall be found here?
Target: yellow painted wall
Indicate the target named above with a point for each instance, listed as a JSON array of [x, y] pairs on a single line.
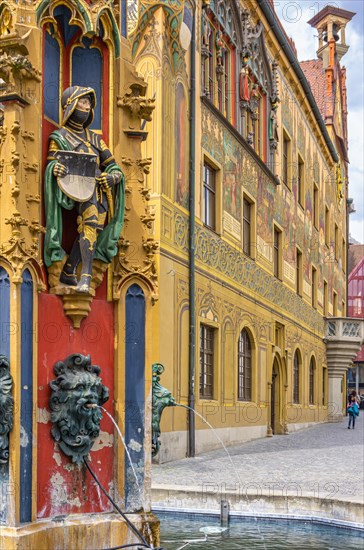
[[245, 293]]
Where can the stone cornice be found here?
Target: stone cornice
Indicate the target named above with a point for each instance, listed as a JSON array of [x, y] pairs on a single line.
[[344, 337], [255, 157]]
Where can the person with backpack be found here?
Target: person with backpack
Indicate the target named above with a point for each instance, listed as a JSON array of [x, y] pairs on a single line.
[[353, 411]]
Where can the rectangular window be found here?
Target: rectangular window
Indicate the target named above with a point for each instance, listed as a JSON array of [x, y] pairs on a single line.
[[220, 87], [324, 386], [223, 57], [226, 85], [244, 367], [258, 132], [343, 255], [326, 299], [247, 224], [314, 287], [210, 84], [315, 206], [327, 225], [334, 303], [311, 389], [336, 242], [209, 196], [299, 272], [285, 164], [207, 344], [300, 181], [296, 378], [277, 253]]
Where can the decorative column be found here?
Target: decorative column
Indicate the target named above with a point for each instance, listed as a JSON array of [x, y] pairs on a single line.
[[344, 337], [285, 425], [269, 429]]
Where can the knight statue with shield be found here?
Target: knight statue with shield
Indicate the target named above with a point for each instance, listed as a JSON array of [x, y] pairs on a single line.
[[81, 173]]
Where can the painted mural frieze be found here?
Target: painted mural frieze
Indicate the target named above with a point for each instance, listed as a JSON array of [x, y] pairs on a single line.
[[214, 253], [6, 408], [77, 394]]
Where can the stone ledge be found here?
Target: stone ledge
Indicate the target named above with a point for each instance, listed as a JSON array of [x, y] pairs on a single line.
[[344, 512], [91, 531]]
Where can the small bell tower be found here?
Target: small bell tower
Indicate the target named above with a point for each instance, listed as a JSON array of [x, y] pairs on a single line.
[[330, 23]]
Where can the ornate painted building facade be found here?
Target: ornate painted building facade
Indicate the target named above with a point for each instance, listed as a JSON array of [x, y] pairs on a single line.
[[65, 349], [214, 240], [243, 141]]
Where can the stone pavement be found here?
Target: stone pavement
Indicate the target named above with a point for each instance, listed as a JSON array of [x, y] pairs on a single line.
[[323, 464]]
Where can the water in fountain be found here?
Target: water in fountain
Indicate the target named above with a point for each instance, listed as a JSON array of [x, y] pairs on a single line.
[[226, 451], [216, 435], [133, 469]]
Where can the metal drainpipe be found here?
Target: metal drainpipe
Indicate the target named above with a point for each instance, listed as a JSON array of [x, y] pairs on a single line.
[[192, 316]]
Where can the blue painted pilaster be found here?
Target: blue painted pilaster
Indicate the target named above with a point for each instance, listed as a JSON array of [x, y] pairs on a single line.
[[4, 350], [134, 395], [26, 411]]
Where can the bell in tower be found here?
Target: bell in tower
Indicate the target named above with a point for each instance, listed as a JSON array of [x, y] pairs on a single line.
[[330, 23]]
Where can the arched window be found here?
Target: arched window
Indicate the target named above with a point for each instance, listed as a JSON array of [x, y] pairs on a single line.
[[324, 386], [219, 58], [296, 377], [73, 59], [244, 367], [311, 387]]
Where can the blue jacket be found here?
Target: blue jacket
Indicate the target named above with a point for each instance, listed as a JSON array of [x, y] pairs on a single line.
[[353, 409]]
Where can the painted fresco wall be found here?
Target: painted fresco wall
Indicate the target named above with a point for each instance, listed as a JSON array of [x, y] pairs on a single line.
[[234, 291], [38, 328]]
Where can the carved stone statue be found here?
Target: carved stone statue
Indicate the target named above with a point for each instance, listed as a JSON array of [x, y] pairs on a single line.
[[161, 398], [77, 394], [6, 408], [273, 125], [81, 173]]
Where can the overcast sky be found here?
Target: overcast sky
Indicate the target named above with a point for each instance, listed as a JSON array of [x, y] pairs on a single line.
[[294, 16]]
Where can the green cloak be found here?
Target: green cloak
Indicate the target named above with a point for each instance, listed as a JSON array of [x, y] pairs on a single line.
[[55, 200]]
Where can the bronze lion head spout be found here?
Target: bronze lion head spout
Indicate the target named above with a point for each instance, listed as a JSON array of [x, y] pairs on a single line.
[[77, 394]]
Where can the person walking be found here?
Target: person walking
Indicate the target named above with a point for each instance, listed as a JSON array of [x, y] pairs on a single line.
[[353, 411]]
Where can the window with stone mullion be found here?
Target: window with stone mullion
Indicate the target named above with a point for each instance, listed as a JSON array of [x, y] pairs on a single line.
[[211, 78], [246, 227], [296, 379], [244, 367], [209, 190], [312, 383], [206, 362]]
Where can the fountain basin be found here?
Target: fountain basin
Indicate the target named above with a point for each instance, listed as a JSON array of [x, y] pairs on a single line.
[[253, 533], [264, 503]]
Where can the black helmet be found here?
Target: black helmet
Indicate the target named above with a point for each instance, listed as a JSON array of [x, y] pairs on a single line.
[[69, 101]]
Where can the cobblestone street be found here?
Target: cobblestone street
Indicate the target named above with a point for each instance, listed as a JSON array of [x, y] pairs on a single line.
[[324, 461]]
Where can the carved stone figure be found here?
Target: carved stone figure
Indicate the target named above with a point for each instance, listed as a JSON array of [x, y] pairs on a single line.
[[220, 50], [6, 408], [161, 398], [273, 125], [86, 178], [77, 394]]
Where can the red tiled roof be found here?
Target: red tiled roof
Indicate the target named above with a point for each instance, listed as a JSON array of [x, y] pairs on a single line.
[[315, 74]]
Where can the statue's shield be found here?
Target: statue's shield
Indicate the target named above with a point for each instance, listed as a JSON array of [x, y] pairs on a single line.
[[79, 182]]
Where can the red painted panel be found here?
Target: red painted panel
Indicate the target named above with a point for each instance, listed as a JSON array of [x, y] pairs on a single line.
[[63, 488]]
